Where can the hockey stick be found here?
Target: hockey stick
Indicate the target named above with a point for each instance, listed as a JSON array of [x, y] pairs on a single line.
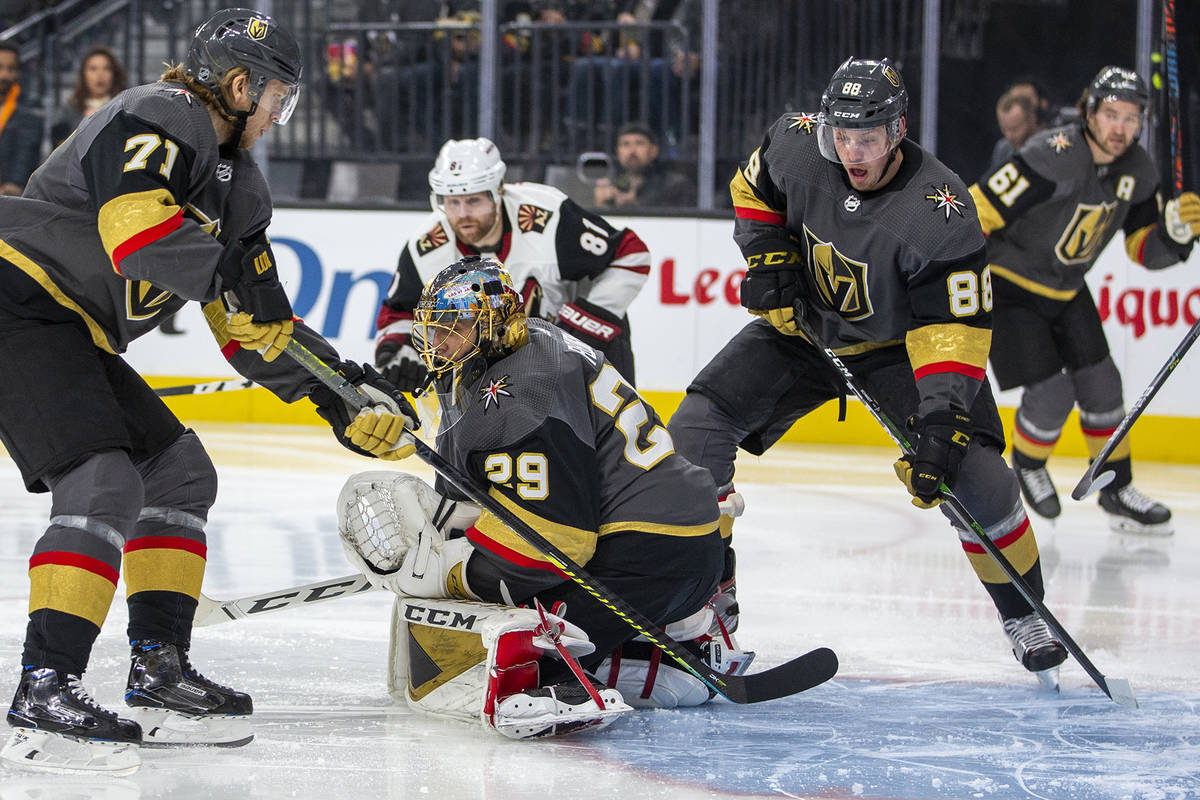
[[797, 675], [1093, 479], [212, 612], [1175, 134], [230, 385], [1118, 689]]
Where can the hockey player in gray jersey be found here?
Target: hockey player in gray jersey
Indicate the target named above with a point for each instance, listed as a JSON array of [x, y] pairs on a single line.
[[879, 244], [565, 443], [573, 267], [1049, 212], [151, 203]]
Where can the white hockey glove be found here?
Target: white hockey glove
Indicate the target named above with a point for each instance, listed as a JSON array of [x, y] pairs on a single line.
[[1182, 217]]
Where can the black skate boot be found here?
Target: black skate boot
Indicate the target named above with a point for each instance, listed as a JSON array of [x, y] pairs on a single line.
[[1037, 488], [1130, 511], [1035, 647], [176, 705], [58, 727]]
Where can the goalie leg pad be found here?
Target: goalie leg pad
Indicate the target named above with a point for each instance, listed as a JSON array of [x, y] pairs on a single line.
[[467, 660]]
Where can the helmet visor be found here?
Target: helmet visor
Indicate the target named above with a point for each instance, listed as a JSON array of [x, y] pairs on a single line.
[[851, 146], [280, 99]]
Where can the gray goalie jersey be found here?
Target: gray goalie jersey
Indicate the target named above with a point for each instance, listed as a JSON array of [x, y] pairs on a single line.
[[568, 446], [903, 265], [126, 221], [1050, 211]]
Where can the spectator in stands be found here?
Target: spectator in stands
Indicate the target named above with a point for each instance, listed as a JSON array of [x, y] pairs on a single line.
[[1022, 110], [644, 180], [20, 130], [100, 78]]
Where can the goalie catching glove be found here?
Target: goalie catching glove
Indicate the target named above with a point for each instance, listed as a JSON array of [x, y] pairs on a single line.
[[943, 438], [376, 430], [1182, 217], [262, 314]]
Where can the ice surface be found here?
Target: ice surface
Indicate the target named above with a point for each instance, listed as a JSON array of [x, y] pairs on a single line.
[[929, 702]]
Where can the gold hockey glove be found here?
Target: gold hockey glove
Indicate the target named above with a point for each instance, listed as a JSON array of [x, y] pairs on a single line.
[[943, 438], [377, 429], [269, 338], [1182, 217]]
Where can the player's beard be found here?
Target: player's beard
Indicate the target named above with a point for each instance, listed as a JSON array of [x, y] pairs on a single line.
[[481, 228]]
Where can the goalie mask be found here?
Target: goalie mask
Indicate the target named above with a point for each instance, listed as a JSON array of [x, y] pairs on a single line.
[[469, 315], [862, 112]]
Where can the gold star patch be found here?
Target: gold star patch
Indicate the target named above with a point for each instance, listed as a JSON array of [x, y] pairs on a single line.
[[945, 199], [804, 122], [491, 394], [1060, 142]]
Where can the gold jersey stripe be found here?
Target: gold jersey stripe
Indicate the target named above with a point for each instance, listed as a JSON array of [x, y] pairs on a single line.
[[1135, 241], [989, 217], [1033, 286], [662, 530], [161, 569], [21, 262], [128, 215], [577, 543], [71, 590], [952, 341], [743, 195]]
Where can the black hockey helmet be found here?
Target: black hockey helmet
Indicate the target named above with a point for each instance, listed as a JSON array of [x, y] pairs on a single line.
[[1116, 83], [242, 37], [862, 94]]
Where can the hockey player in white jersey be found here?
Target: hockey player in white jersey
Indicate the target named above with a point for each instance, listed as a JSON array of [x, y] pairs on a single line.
[[571, 265]]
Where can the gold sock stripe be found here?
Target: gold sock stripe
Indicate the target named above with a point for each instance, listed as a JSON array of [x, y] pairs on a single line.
[[71, 590]]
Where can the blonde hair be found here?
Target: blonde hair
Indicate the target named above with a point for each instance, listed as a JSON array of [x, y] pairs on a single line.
[[175, 73]]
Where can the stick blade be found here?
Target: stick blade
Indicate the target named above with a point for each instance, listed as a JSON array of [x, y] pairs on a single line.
[[1120, 691], [795, 676], [1087, 485], [208, 612]]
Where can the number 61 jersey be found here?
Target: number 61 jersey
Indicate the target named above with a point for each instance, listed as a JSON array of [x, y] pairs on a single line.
[[569, 447]]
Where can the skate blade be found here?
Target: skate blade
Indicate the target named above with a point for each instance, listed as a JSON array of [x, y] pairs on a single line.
[[555, 725], [165, 728], [1120, 524], [44, 751], [1048, 678]]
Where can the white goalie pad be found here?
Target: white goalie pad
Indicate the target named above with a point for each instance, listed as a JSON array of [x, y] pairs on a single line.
[[467, 660], [390, 529]]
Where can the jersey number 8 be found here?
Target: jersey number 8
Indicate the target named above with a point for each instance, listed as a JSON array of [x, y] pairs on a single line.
[[969, 292]]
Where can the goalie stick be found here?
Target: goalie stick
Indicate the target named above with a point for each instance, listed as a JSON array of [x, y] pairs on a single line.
[[213, 612], [797, 675], [1094, 479], [230, 385], [1117, 689]]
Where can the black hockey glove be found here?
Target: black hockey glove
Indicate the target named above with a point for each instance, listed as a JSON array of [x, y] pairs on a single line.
[[771, 293], [943, 438], [249, 271], [398, 362], [590, 323], [375, 430]]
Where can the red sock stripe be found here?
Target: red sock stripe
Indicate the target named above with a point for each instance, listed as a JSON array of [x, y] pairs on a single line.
[[1029, 437], [167, 543], [1099, 433], [62, 558], [1003, 542]]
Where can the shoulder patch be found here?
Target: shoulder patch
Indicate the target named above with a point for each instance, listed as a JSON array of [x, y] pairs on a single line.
[[491, 393], [433, 240], [1060, 141], [180, 91], [945, 199], [533, 218], [803, 122]]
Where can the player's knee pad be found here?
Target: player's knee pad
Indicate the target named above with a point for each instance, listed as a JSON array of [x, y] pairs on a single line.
[[986, 486], [1098, 387], [102, 494], [181, 483], [478, 663], [393, 527], [1046, 404]]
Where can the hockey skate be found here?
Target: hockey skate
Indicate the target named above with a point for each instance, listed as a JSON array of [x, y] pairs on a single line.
[[1130, 511], [557, 710], [176, 705], [1038, 490], [1036, 648], [58, 727]]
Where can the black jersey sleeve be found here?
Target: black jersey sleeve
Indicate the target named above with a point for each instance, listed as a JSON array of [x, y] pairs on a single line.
[[1146, 238], [1009, 192], [760, 211], [585, 242], [550, 480]]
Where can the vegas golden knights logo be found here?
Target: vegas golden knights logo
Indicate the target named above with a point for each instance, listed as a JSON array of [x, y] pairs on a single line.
[[532, 218], [256, 29], [1083, 237], [143, 300], [841, 281]]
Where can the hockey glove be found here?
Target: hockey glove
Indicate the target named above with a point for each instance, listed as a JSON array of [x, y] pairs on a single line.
[[943, 438], [771, 294], [595, 326], [1182, 216], [376, 429], [264, 321], [398, 362]]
